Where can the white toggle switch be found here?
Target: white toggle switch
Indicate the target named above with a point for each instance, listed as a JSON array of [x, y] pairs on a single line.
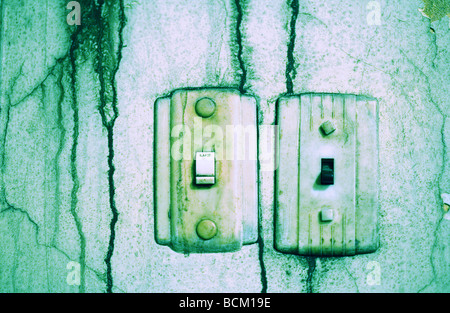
[[204, 168]]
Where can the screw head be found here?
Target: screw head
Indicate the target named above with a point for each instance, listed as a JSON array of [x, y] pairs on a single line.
[[327, 215], [206, 229], [327, 128], [205, 107]]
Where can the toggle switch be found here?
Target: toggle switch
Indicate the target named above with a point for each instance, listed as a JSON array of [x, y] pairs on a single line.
[[327, 177], [205, 154], [204, 168], [327, 172]]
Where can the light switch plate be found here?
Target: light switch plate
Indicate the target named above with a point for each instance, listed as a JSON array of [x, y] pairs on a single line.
[[319, 219], [222, 215]]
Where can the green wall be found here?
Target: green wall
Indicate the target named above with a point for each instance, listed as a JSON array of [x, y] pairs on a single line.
[[76, 137]]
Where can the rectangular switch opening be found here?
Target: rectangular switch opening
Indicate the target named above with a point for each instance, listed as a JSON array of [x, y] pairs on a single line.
[[327, 172]]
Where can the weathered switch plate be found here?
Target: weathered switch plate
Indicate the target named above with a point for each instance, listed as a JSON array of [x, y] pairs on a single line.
[[210, 205], [327, 177]]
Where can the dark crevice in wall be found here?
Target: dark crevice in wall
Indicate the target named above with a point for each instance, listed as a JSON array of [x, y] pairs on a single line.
[[61, 135], [108, 124], [261, 260], [114, 211], [81, 48], [57, 70], [291, 71], [16, 236], [27, 218], [353, 279], [441, 173], [43, 90], [439, 185], [243, 70], [260, 239], [108, 62], [99, 38], [73, 157], [309, 278], [240, 6], [2, 19], [263, 275], [5, 115], [433, 248]]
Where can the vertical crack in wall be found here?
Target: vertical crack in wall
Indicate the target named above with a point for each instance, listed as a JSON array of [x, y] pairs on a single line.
[[5, 206], [82, 47], [2, 22], [61, 135], [99, 38], [353, 279], [73, 157], [260, 239], [108, 62], [5, 111], [15, 233], [16, 236], [240, 8], [311, 269], [26, 216], [291, 71], [243, 70], [441, 175], [43, 106], [442, 169]]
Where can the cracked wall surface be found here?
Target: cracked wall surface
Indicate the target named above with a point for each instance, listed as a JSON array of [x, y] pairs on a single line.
[[76, 138]]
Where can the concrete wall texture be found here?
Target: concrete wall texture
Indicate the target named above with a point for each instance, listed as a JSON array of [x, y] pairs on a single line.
[[76, 137]]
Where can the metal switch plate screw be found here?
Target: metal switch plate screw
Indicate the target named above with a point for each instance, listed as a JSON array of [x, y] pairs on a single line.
[[327, 128], [206, 229], [326, 215], [205, 107]]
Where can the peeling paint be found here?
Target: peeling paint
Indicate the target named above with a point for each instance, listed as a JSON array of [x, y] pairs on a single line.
[[435, 9], [446, 206]]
